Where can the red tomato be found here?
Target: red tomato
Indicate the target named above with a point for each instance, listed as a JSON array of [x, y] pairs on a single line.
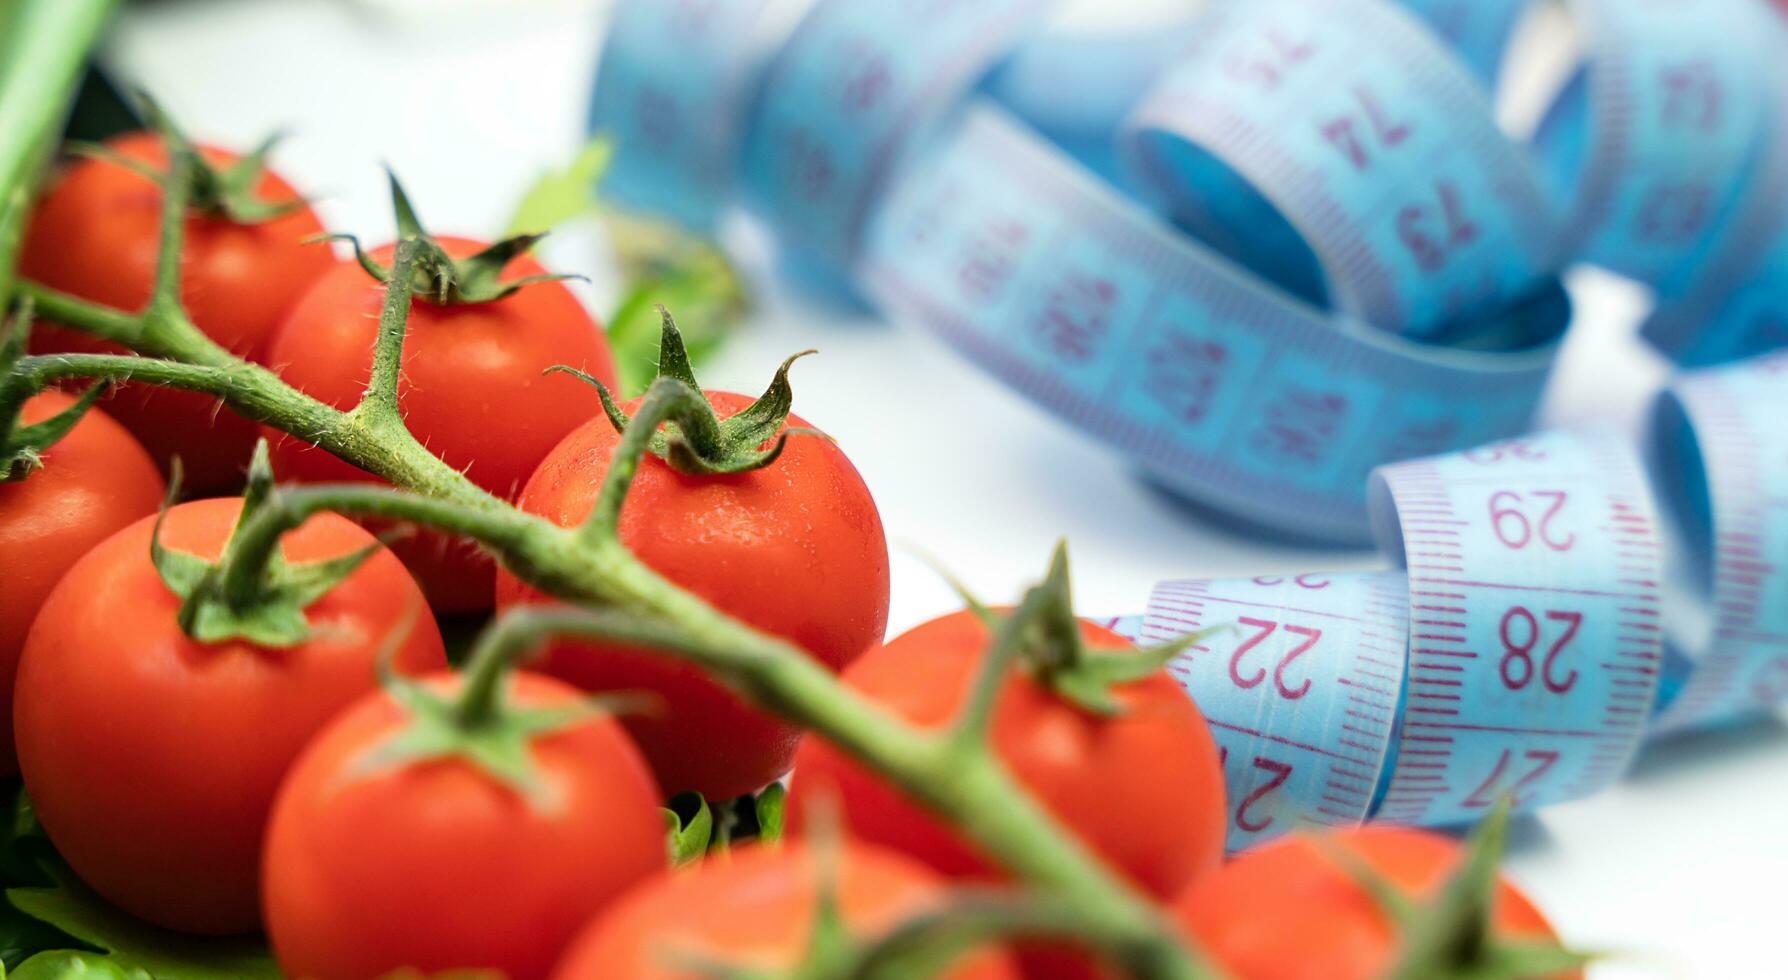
[[153, 759], [436, 865], [94, 236], [94, 480], [1143, 789], [795, 549], [755, 909], [1287, 911], [472, 392]]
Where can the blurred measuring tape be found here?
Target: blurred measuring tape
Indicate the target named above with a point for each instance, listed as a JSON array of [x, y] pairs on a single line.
[[1530, 641], [1262, 251]]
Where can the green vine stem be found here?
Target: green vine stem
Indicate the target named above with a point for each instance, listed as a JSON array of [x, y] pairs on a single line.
[[43, 46], [625, 600]]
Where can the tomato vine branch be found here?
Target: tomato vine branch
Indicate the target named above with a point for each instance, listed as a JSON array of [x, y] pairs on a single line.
[[618, 597]]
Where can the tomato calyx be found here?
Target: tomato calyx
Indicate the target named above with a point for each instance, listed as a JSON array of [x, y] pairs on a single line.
[[22, 446], [254, 597], [695, 440], [227, 193], [480, 726], [1451, 936], [923, 944], [442, 279], [1043, 637]]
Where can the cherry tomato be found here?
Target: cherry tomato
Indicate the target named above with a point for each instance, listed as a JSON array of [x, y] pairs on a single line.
[[795, 549], [93, 481], [94, 236], [153, 759], [755, 909], [1143, 788], [437, 865], [472, 392], [1287, 911]]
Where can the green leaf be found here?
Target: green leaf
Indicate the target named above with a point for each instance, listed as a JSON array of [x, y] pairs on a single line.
[[691, 277], [68, 964], [688, 836], [772, 805], [129, 947], [563, 195]]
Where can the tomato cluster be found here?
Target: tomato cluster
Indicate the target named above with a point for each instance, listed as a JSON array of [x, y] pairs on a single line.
[[285, 750]]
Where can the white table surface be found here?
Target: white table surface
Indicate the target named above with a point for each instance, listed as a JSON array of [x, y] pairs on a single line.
[[1681, 863]]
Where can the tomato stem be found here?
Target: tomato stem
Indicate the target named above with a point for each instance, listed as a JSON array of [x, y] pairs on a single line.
[[586, 565], [42, 60], [176, 194], [379, 403]]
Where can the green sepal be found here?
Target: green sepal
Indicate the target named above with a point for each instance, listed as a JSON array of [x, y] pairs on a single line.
[[1046, 640], [22, 446], [696, 440], [227, 193], [1451, 937], [273, 616], [499, 745], [442, 279], [688, 839]]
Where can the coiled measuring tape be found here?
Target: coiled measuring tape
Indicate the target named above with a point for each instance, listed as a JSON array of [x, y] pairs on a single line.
[[1262, 252], [1521, 649]]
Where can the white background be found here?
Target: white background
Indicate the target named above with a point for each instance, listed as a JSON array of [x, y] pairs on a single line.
[[1680, 865]]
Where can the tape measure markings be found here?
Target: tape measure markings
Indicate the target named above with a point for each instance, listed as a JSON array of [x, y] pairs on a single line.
[[1525, 505], [1260, 123], [1677, 127], [1302, 696], [1220, 384], [815, 165], [1735, 415], [1252, 379]]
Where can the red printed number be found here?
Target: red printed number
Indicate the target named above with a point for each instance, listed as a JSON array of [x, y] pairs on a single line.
[[991, 257], [1520, 633], [1265, 629], [1673, 214], [1539, 760], [1513, 449], [1077, 316], [1183, 374], [1512, 526], [1304, 581], [1432, 233], [1269, 63], [1277, 774], [1350, 133], [1692, 96], [1302, 425]]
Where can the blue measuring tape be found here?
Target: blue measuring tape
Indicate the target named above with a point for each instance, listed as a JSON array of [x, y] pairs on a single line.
[[1263, 251], [1530, 641]]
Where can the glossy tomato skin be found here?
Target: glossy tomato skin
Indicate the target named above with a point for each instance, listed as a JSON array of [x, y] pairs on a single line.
[[1144, 789], [93, 481], [436, 865], [1287, 911], [94, 236], [755, 908], [152, 759], [795, 549], [472, 391]]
